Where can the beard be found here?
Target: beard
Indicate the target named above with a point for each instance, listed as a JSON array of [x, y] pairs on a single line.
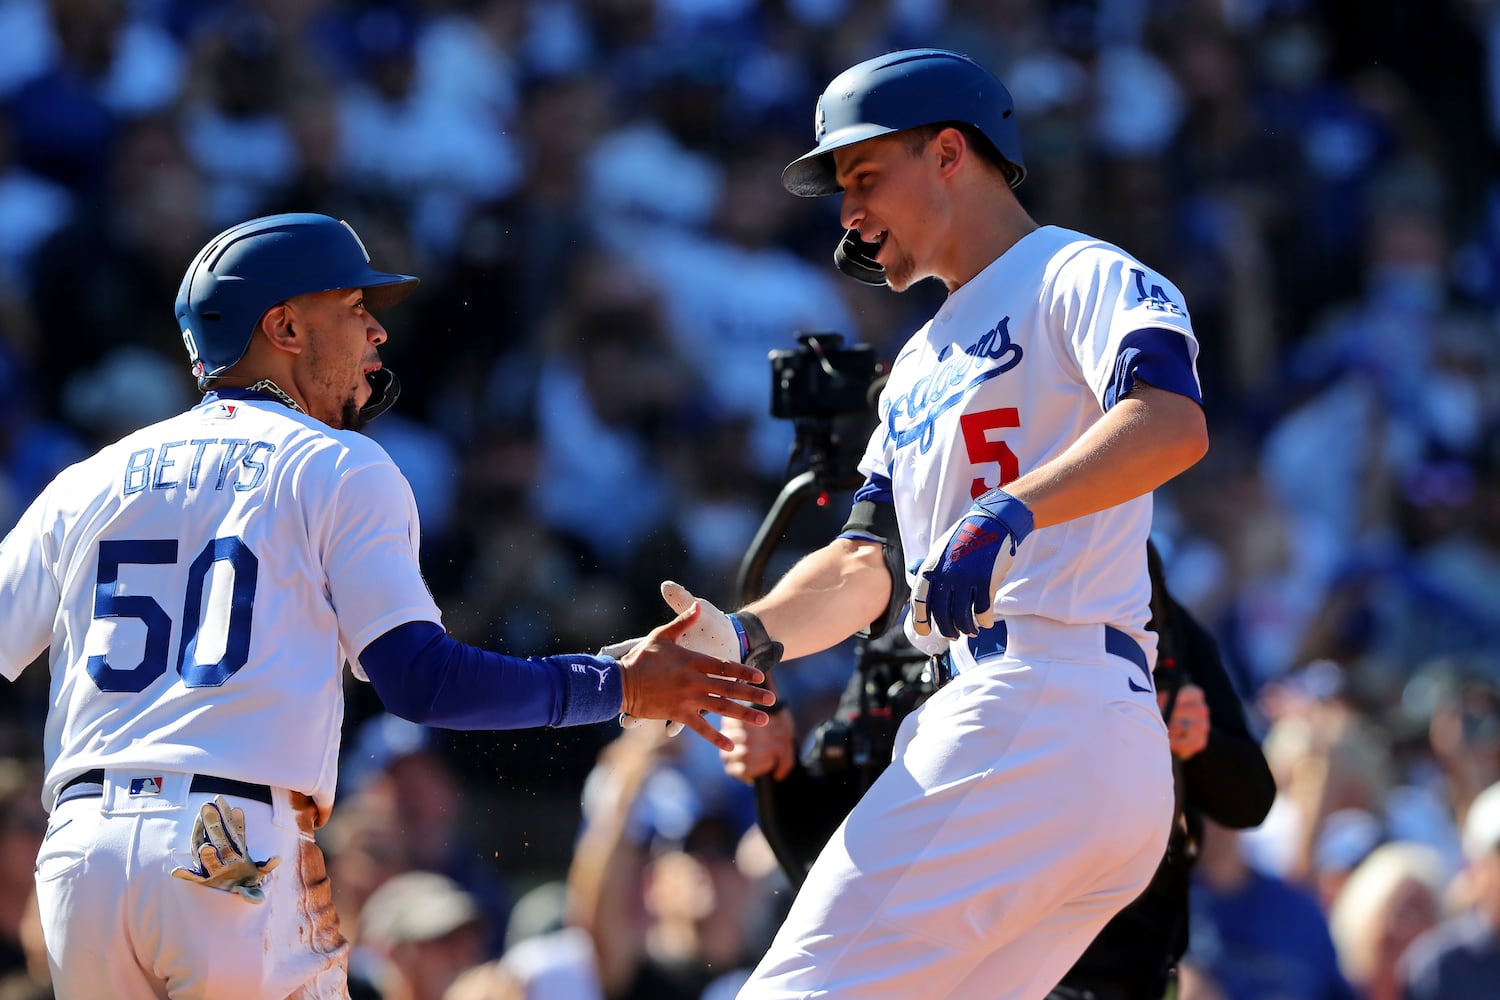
[[351, 417], [898, 274]]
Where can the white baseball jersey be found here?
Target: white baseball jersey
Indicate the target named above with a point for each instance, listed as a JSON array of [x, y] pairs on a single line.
[[201, 583], [977, 864], [1014, 367]]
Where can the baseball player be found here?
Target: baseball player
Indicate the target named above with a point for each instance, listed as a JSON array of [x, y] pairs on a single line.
[[201, 583], [1020, 435]]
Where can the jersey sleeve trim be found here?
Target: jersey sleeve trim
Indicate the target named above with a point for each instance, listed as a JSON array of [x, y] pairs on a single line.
[[1157, 356]]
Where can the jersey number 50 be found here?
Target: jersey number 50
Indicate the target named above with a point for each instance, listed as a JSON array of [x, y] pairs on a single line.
[[110, 603]]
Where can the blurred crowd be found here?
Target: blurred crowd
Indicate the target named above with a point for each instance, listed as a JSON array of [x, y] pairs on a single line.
[[590, 192]]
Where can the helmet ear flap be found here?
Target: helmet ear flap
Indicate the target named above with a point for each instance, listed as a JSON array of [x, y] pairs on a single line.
[[856, 258]]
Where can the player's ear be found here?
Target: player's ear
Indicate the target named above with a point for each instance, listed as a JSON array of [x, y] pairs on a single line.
[[278, 328], [951, 146]]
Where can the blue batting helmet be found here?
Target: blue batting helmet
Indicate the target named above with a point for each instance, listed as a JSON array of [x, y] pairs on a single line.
[[255, 265], [902, 90]]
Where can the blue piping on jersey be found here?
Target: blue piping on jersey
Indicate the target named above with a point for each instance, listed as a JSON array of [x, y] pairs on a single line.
[[426, 676], [1157, 356]]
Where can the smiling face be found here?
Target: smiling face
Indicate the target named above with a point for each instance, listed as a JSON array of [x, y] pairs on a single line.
[[893, 196], [339, 341]]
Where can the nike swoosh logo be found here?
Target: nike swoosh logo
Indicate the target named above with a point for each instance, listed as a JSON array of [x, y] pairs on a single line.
[[56, 828], [1136, 687]]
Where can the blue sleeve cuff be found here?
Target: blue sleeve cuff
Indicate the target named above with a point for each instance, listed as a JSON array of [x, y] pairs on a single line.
[[594, 690], [1157, 356], [426, 676]]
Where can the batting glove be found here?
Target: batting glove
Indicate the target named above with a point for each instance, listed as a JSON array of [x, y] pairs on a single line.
[[956, 583], [715, 634], [224, 860]]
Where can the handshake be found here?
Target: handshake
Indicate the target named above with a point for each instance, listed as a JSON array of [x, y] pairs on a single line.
[[738, 638]]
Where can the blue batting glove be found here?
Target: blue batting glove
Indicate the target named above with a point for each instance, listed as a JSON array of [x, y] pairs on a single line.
[[956, 584]]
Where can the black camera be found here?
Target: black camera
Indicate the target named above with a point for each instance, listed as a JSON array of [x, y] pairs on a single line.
[[891, 681], [822, 378]]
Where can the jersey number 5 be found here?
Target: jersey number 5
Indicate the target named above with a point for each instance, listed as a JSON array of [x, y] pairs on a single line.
[[983, 449], [110, 603]]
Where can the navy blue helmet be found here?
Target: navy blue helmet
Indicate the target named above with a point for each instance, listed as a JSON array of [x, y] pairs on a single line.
[[902, 90], [250, 267]]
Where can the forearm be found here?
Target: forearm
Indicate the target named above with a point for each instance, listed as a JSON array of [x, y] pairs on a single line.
[[829, 595], [1143, 441], [426, 676]]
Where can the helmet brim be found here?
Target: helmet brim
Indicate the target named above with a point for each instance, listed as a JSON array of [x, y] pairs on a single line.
[[812, 174], [385, 290]]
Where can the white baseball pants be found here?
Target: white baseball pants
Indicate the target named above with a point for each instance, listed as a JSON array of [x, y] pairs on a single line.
[[1029, 801], [117, 924]]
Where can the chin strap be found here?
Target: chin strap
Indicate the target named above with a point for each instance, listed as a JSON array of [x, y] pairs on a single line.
[[856, 258], [386, 388]]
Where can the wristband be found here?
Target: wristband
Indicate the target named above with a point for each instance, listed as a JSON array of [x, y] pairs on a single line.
[[759, 650]]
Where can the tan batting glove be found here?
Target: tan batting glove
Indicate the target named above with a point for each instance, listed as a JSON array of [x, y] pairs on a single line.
[[224, 860]]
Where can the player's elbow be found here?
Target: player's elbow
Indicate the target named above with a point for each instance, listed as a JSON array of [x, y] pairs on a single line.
[[1195, 442], [1188, 441]]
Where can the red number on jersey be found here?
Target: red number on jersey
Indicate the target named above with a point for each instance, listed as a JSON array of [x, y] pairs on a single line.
[[982, 448]]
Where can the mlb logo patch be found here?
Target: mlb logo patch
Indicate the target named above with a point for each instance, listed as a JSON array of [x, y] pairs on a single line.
[[225, 410], [146, 786]]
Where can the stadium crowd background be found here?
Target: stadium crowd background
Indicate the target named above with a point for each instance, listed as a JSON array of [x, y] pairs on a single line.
[[589, 190]]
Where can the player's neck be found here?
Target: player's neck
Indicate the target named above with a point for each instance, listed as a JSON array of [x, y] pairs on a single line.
[[265, 387], [270, 388], [984, 244]]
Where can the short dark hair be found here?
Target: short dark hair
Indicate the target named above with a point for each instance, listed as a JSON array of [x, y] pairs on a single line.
[[916, 139]]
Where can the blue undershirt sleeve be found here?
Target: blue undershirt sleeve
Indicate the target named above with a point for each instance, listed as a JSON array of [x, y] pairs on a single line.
[[426, 676]]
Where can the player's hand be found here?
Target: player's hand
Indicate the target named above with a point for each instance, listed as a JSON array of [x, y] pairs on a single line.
[[769, 749], [224, 860], [628, 721], [714, 634], [665, 680], [956, 584], [1188, 728]]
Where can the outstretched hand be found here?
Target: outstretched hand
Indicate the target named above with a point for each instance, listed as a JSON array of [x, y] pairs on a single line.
[[664, 680], [713, 633]]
